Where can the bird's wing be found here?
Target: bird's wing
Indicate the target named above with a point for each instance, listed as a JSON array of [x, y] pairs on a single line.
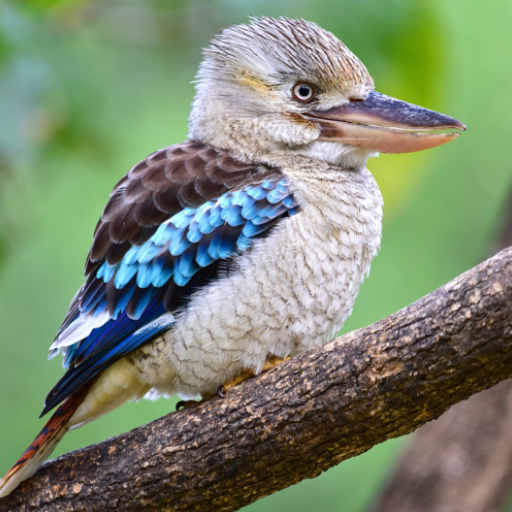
[[168, 226]]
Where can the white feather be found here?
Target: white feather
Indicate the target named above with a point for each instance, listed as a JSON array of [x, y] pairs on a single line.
[[79, 330]]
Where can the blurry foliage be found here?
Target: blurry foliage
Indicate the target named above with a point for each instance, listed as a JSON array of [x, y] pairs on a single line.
[[43, 106], [88, 88]]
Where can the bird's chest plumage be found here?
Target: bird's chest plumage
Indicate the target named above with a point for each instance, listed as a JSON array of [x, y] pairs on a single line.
[[292, 291]]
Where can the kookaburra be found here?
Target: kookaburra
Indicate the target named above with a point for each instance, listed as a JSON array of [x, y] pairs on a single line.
[[245, 243]]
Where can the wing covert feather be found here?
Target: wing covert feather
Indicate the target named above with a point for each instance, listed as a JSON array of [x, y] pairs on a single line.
[[185, 175]]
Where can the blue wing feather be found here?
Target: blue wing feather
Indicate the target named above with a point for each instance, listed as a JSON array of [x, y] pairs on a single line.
[[118, 338], [177, 259]]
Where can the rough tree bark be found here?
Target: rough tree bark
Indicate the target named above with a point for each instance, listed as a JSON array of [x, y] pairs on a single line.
[[302, 417], [461, 462]]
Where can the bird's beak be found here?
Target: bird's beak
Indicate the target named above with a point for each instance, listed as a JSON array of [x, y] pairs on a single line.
[[385, 124]]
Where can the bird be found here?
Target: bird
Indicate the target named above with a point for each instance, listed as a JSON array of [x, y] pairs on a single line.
[[245, 244]]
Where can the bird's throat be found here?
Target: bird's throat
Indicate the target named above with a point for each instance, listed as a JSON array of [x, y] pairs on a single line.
[[336, 153]]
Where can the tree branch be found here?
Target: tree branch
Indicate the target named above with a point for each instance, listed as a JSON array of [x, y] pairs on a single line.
[[302, 417], [462, 462]]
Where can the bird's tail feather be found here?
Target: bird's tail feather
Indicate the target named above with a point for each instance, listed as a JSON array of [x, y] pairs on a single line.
[[44, 444]]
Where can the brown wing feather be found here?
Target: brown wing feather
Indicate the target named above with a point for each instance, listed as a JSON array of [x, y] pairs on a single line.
[[187, 174]]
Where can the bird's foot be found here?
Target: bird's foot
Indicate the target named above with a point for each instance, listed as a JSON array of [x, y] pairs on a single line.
[[184, 404], [247, 374], [273, 361]]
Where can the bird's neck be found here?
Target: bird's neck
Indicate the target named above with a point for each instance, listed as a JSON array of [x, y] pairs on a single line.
[[338, 195]]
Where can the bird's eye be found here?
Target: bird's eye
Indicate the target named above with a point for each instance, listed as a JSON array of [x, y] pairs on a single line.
[[303, 92]]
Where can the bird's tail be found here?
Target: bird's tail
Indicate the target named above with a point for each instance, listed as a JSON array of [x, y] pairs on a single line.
[[44, 444]]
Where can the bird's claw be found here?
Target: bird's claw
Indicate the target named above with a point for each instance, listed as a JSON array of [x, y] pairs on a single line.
[[182, 404], [247, 374]]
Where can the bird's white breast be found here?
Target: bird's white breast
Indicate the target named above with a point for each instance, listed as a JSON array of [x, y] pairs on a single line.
[[292, 291]]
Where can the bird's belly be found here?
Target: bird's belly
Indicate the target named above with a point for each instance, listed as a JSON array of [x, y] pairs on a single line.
[[291, 292]]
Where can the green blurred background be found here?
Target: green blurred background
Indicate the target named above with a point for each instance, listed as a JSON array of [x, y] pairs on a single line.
[[87, 89]]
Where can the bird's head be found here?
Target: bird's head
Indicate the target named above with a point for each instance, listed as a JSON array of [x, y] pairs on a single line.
[[289, 85]]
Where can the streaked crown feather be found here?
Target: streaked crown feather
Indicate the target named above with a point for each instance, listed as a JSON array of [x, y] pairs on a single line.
[[274, 50]]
